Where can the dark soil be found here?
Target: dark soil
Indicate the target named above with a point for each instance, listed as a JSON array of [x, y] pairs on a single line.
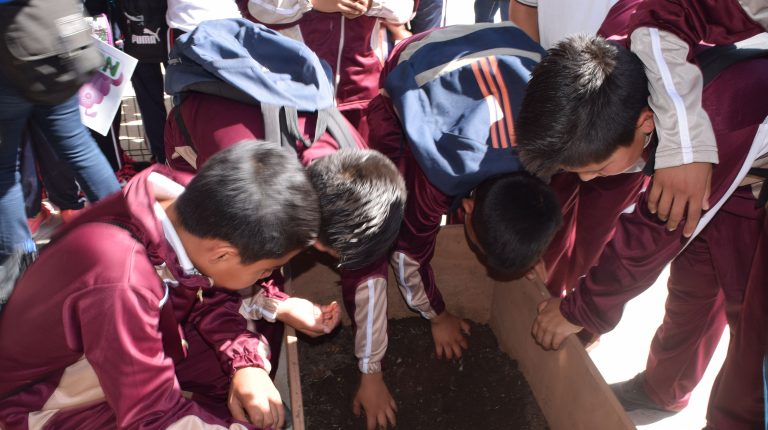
[[482, 390]]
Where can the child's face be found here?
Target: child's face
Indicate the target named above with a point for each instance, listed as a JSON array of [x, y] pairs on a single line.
[[622, 159], [230, 273]]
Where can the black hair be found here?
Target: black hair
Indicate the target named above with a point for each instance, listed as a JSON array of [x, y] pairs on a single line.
[[362, 199], [581, 104], [515, 217], [256, 197]]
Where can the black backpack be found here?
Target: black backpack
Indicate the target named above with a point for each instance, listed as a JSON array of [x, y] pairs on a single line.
[[46, 50], [145, 30]]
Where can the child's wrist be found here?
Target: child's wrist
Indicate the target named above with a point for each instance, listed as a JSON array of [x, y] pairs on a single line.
[[377, 376], [260, 306], [369, 368], [283, 308]]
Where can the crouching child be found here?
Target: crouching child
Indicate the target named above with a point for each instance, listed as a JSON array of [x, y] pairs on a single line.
[[131, 317]]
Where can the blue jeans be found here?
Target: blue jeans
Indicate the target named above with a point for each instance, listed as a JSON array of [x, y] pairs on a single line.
[[57, 177], [485, 10], [429, 14], [69, 138]]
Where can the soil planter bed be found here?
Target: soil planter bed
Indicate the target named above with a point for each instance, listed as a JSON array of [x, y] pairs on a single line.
[[569, 390], [484, 389]]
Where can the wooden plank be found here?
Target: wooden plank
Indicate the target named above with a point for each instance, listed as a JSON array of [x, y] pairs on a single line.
[[568, 387], [294, 379], [296, 401]]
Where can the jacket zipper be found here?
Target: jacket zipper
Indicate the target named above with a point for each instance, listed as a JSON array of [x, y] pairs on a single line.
[[337, 76]]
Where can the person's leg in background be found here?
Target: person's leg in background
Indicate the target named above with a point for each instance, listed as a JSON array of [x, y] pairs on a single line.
[[110, 144], [30, 183], [504, 9], [736, 399], [17, 248], [692, 327], [706, 284], [58, 177], [429, 15], [73, 144], [485, 10], [147, 82]]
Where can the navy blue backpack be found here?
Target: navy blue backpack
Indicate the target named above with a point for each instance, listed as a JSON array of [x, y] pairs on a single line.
[[457, 93], [245, 61]]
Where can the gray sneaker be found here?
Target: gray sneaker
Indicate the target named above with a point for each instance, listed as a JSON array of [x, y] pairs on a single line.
[[11, 268], [640, 408]]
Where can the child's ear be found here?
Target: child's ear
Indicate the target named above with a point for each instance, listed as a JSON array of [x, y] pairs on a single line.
[[645, 121], [468, 203], [222, 252]]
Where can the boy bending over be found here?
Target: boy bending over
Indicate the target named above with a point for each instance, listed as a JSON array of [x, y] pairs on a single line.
[[446, 120], [586, 111], [136, 302]]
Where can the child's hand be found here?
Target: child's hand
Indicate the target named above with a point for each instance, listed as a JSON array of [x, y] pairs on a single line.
[[362, 4], [398, 32], [373, 398], [674, 188], [253, 393], [449, 333], [309, 318], [550, 327], [346, 7]]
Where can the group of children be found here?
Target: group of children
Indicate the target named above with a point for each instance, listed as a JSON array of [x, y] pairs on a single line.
[[162, 305]]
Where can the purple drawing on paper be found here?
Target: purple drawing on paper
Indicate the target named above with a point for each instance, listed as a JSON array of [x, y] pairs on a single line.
[[93, 92]]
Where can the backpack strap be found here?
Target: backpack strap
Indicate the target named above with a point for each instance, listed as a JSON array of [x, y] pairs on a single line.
[[189, 153], [333, 121], [182, 125], [762, 198], [714, 60], [271, 115], [281, 124], [289, 125]]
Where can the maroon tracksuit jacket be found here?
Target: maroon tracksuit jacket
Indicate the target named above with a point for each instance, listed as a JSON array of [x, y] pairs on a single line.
[[89, 338]]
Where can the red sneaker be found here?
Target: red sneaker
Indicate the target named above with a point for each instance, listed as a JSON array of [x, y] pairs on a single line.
[[41, 218]]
